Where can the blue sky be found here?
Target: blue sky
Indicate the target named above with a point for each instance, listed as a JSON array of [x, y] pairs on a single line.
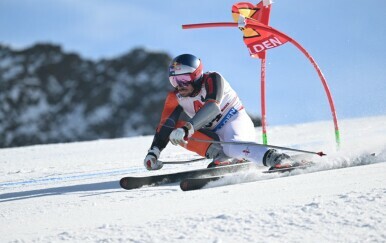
[[346, 38]]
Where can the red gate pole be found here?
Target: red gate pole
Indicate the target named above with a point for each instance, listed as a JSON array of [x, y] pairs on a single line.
[[263, 106]]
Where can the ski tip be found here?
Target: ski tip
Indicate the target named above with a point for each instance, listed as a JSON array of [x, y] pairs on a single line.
[[184, 185], [123, 183]]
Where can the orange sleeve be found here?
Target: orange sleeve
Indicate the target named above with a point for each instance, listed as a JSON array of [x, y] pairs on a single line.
[[169, 118], [170, 106], [169, 121]]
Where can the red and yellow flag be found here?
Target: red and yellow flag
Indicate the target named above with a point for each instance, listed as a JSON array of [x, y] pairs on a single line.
[[257, 41]]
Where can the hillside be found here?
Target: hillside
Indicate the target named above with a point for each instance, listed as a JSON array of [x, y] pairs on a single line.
[[50, 96]]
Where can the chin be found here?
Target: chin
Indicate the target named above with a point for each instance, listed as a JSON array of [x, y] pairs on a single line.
[[184, 94]]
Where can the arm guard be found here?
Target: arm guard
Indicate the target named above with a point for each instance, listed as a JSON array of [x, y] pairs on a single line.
[[214, 85], [205, 115]]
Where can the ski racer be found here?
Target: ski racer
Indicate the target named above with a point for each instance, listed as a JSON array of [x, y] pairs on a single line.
[[212, 111]]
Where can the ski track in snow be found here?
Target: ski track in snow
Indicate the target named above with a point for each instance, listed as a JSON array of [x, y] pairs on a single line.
[[70, 192]]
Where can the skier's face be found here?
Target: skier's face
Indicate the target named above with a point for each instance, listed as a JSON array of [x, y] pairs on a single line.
[[185, 91]]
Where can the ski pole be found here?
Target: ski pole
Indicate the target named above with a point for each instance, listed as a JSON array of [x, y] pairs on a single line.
[[257, 144], [183, 161]]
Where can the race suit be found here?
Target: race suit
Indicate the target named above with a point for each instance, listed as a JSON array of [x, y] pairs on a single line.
[[215, 112]]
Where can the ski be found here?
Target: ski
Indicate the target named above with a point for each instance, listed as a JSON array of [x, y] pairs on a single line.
[[190, 184], [133, 182]]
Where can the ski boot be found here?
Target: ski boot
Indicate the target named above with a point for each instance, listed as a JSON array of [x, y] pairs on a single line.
[[276, 160], [216, 153]]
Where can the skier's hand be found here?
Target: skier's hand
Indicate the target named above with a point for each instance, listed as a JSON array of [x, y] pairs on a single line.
[[177, 137], [180, 136], [151, 161]]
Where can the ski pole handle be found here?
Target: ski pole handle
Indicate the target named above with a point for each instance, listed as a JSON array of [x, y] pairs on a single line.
[[257, 144]]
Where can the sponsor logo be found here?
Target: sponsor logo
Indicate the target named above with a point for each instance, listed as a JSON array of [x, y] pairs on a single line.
[[246, 151], [226, 118], [174, 67], [264, 45]]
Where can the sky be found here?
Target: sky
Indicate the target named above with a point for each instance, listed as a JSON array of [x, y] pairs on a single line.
[[346, 38]]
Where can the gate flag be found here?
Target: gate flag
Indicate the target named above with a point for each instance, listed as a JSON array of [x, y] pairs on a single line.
[[257, 41]]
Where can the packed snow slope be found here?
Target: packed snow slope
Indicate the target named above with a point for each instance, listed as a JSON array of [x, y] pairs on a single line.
[[70, 192]]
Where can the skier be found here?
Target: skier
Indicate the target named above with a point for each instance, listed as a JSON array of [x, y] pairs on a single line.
[[214, 112]]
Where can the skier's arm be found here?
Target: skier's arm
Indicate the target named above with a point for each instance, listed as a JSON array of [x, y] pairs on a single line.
[[170, 114], [214, 86]]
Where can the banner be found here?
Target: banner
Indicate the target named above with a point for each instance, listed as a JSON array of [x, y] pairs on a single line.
[[257, 41]]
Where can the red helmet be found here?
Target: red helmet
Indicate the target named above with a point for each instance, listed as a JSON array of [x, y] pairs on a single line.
[[185, 69]]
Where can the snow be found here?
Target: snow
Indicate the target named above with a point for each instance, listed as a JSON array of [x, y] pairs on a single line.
[[70, 192]]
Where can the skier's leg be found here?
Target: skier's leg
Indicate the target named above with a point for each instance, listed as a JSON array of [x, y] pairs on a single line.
[[240, 128], [209, 150], [200, 147]]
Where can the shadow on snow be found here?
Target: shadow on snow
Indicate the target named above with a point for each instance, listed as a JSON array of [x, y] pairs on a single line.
[[100, 186]]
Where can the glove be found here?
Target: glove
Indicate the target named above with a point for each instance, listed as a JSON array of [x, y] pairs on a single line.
[[180, 135], [151, 161]]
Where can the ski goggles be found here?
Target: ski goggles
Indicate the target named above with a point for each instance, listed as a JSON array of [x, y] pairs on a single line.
[[181, 80]]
